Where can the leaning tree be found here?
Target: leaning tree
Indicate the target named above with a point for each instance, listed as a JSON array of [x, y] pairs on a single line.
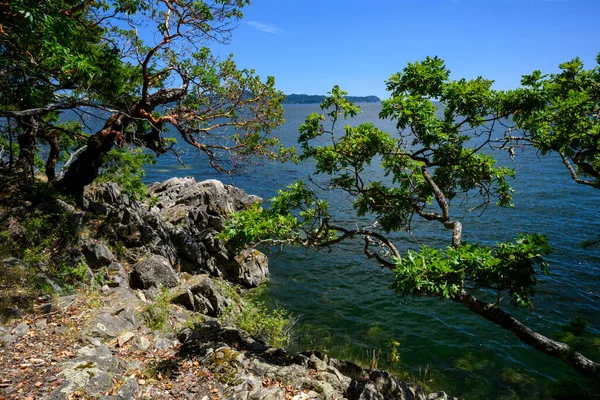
[[438, 159], [139, 69], [560, 113]]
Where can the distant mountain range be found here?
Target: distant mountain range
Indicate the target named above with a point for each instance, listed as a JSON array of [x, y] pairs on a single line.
[[315, 98]]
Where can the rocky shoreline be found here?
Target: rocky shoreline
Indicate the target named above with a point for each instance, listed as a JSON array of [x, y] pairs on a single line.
[[141, 257]]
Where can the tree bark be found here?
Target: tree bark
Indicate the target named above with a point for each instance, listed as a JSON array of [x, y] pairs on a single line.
[[560, 350], [26, 140], [85, 169], [52, 157]]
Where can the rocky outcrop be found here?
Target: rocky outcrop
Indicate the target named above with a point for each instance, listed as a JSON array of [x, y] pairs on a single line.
[[160, 270], [248, 369], [94, 369], [200, 294], [240, 366], [180, 226]]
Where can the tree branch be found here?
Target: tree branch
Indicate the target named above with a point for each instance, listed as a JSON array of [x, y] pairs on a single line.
[[553, 348]]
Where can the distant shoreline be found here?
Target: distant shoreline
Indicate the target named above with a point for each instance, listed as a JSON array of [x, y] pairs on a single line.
[[316, 99]]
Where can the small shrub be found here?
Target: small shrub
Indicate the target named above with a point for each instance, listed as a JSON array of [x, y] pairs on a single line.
[[274, 327], [153, 200], [156, 315], [118, 248], [72, 274], [393, 355], [126, 168]]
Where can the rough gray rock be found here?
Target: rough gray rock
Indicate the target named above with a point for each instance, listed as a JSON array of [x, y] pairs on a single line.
[[46, 282], [200, 294], [117, 316], [116, 275], [97, 255], [20, 329], [155, 271], [128, 390], [92, 369], [13, 263], [241, 364], [6, 339], [249, 268], [181, 226], [194, 212]]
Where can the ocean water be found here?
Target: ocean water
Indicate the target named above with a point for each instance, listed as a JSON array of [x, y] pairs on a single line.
[[344, 305]]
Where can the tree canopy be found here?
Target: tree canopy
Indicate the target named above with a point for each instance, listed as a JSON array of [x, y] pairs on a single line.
[[139, 69], [440, 159], [560, 113]]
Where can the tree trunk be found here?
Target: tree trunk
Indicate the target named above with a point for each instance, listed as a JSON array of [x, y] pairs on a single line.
[[26, 140], [85, 169], [560, 350], [52, 157]]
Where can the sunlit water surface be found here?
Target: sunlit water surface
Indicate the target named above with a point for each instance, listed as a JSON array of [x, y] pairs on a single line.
[[344, 304]]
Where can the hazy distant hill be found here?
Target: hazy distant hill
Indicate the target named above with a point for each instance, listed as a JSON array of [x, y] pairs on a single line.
[[314, 98]]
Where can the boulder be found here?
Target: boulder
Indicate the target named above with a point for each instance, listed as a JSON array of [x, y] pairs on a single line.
[[97, 255], [116, 275], [155, 271], [116, 317], [199, 293], [181, 227], [92, 369], [250, 268], [104, 193]]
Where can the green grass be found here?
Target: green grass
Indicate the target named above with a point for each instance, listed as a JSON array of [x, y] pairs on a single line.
[[272, 325]]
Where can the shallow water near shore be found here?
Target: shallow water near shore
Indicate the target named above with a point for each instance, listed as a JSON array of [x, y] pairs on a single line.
[[344, 304]]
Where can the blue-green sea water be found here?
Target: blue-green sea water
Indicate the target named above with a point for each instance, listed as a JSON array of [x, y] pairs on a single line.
[[344, 304]]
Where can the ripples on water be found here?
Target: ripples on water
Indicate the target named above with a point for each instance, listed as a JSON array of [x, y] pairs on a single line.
[[346, 307]]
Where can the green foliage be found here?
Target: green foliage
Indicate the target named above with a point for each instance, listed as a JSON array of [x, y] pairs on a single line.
[[156, 315], [273, 326], [432, 161], [558, 112], [393, 354], [49, 47], [510, 267], [126, 168], [40, 238], [71, 274], [118, 248], [90, 57], [292, 209], [42, 231]]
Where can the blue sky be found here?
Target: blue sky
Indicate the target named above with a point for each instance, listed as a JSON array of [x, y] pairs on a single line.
[[310, 45]]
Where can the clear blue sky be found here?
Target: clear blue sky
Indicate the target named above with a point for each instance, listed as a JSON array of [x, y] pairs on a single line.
[[310, 45]]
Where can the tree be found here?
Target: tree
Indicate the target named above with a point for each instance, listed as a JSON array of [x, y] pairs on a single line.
[[144, 69], [435, 160], [49, 51], [560, 113]]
